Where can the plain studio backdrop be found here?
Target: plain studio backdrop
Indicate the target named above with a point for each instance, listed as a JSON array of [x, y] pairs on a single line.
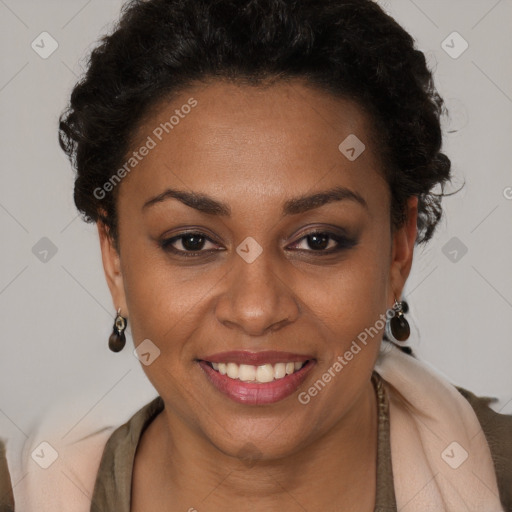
[[56, 310]]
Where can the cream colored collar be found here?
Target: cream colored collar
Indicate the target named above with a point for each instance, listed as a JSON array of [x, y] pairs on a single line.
[[440, 457]]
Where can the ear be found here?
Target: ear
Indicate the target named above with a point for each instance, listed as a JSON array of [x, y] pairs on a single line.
[[112, 267], [404, 239]]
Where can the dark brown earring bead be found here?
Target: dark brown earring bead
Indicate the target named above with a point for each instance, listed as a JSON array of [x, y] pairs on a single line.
[[117, 341], [400, 327]]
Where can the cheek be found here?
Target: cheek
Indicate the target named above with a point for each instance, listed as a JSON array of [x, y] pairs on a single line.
[[167, 304], [161, 297], [153, 299], [349, 312], [351, 297]]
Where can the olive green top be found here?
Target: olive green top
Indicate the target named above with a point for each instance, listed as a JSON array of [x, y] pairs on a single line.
[[6, 496], [112, 491]]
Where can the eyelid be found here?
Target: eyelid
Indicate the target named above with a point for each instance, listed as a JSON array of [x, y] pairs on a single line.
[[338, 235], [324, 229], [167, 242], [342, 240]]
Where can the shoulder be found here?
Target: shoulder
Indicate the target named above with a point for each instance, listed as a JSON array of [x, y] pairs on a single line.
[[497, 429], [59, 473], [138, 422], [113, 483], [60, 464], [126, 436]]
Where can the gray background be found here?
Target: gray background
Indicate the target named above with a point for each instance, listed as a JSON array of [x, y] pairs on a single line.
[[56, 315]]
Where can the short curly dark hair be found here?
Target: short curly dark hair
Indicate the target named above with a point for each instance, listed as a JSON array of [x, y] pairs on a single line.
[[348, 48]]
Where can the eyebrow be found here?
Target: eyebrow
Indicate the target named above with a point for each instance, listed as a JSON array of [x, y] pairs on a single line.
[[294, 206]]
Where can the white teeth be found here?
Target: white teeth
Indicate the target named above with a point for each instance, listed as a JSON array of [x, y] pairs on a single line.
[[263, 373], [246, 372], [279, 370], [232, 370]]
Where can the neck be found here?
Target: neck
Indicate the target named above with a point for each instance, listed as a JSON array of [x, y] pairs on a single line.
[[337, 468]]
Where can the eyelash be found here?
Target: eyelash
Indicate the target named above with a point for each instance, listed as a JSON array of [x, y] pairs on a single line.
[[342, 241]]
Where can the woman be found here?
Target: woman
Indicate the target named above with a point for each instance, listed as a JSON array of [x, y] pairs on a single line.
[[260, 172]]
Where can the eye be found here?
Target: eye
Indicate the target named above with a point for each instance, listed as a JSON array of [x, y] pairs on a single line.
[[195, 243], [188, 244], [324, 242]]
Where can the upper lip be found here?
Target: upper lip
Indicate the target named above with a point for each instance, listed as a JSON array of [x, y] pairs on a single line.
[[255, 358]]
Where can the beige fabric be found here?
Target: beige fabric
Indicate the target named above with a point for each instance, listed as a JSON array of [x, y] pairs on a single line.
[[67, 484], [441, 459]]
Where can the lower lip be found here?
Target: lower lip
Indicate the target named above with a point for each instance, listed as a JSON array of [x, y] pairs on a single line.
[[252, 393]]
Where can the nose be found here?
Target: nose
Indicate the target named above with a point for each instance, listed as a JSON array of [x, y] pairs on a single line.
[[256, 299]]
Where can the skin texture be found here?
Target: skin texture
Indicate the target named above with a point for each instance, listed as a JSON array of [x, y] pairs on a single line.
[[254, 149]]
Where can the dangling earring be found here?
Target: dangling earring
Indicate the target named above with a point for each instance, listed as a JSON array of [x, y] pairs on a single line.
[[117, 339], [397, 327]]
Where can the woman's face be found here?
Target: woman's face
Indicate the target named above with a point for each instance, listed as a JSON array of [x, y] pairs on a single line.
[[246, 161]]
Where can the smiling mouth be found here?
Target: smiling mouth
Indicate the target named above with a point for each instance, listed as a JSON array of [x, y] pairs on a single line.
[[261, 374], [264, 383]]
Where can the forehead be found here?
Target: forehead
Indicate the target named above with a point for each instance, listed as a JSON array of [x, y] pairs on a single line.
[[227, 139]]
